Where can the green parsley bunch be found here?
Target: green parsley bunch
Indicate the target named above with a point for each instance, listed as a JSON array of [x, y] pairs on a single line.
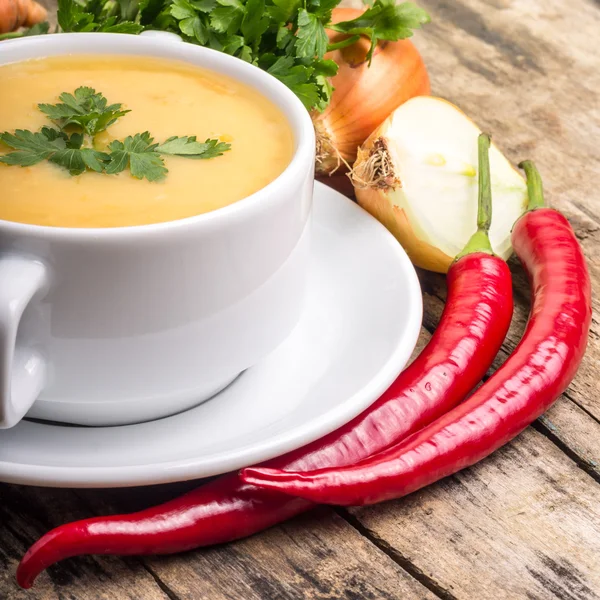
[[286, 38]]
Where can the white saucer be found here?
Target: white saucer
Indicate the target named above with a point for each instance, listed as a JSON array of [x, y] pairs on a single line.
[[359, 328]]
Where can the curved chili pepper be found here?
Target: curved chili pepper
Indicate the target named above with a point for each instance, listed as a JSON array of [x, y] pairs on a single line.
[[538, 371], [472, 327]]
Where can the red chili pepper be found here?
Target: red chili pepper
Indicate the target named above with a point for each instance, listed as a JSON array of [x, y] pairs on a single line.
[[472, 327], [538, 371]]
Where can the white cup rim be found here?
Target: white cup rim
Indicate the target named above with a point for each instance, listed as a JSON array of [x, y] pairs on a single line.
[[159, 45]]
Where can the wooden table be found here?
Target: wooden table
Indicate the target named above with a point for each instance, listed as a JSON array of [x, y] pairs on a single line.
[[524, 523]]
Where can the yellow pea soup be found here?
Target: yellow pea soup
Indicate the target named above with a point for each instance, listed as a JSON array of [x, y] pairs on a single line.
[[166, 98]]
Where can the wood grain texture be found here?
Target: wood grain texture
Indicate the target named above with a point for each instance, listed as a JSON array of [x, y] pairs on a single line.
[[525, 523], [318, 555], [27, 512], [528, 72]]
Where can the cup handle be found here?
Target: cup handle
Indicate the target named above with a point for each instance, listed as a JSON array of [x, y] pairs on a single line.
[[22, 370]]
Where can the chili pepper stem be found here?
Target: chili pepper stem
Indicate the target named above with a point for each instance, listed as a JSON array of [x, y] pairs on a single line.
[[480, 240], [535, 188]]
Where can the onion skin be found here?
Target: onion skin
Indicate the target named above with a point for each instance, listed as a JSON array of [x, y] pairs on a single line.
[[376, 202], [20, 13], [421, 253], [36, 14], [364, 96], [377, 183], [9, 16]]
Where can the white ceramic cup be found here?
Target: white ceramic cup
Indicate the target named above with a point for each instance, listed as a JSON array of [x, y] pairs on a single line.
[[123, 325]]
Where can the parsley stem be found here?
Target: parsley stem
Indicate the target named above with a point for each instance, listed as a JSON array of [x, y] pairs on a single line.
[[12, 35], [343, 43]]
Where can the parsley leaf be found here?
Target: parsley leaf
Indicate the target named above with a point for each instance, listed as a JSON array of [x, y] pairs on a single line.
[[190, 22], [300, 78], [323, 8], [85, 108], [258, 31], [76, 159], [87, 16], [228, 16], [73, 17], [31, 148], [89, 110], [149, 11], [193, 27], [204, 5], [188, 146], [128, 9], [283, 11], [112, 26], [255, 22], [37, 29], [328, 68], [312, 39], [233, 45], [53, 145], [385, 21], [285, 38], [182, 9], [139, 154]]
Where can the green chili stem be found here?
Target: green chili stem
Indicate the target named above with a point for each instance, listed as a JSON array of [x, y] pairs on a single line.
[[484, 199], [535, 189], [480, 240]]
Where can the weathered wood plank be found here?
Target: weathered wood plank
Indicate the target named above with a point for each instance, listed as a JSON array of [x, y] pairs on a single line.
[[574, 432], [317, 555], [528, 72], [25, 513], [525, 523]]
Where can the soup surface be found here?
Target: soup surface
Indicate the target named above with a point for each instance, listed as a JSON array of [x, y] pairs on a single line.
[[166, 98]]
